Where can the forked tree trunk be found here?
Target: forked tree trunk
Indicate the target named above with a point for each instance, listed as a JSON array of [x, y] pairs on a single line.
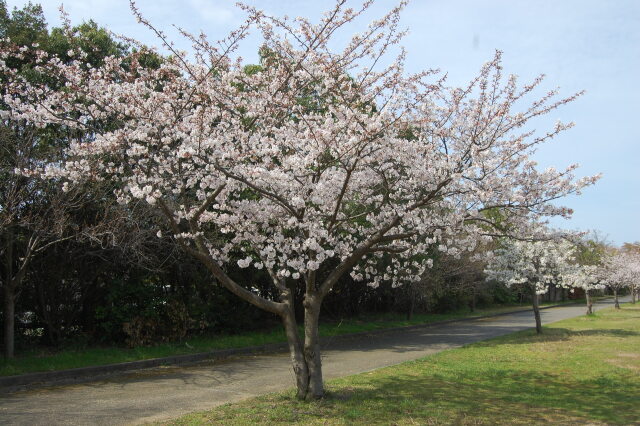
[[305, 356], [589, 303], [9, 319], [312, 347], [307, 365], [536, 310], [298, 362], [615, 298]]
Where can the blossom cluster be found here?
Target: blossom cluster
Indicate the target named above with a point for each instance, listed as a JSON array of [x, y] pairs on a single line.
[[316, 157], [620, 270], [540, 264]]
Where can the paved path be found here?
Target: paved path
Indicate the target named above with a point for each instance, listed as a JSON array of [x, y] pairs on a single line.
[[164, 393]]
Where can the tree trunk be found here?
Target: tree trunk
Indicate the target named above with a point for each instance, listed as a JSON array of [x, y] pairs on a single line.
[[615, 298], [11, 283], [536, 310], [9, 297], [312, 347], [473, 298], [52, 332], [9, 319], [411, 294], [633, 294], [589, 302], [295, 346]]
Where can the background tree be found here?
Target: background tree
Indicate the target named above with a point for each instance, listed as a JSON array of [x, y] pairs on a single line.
[[35, 214], [633, 249], [583, 277], [589, 253], [620, 270], [453, 282], [534, 265]]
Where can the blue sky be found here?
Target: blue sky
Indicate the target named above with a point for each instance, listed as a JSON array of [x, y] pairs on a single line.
[[579, 44]]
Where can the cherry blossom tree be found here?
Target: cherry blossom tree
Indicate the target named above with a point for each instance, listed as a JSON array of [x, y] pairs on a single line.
[[590, 251], [584, 277], [620, 270], [534, 265], [311, 165], [633, 250]]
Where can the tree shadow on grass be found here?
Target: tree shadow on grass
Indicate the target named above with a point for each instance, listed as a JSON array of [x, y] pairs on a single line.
[[508, 398]]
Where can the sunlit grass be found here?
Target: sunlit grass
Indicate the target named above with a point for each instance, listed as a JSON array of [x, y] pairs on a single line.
[[579, 371]]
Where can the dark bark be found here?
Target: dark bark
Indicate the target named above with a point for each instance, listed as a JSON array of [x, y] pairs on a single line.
[[472, 307], [312, 347], [9, 320], [412, 300], [589, 303], [53, 333], [536, 310], [615, 298], [13, 278], [295, 347], [9, 297]]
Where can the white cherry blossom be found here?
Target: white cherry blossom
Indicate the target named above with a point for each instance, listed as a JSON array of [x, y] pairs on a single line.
[[313, 165]]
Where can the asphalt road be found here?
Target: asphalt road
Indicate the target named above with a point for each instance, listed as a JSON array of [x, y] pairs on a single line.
[[168, 392]]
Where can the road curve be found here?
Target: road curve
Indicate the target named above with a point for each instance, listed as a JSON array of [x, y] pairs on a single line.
[[167, 392]]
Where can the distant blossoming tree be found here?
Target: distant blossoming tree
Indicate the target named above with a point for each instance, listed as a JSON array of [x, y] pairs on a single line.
[[584, 277], [534, 265], [313, 164], [633, 251], [620, 270]]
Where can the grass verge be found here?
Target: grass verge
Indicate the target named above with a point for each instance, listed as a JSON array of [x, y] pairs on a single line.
[[46, 360], [584, 370]]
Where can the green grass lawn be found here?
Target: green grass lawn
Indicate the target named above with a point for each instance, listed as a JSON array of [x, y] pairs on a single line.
[[580, 371], [45, 360]]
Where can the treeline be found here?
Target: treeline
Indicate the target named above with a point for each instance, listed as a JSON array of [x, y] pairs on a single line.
[[97, 297]]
